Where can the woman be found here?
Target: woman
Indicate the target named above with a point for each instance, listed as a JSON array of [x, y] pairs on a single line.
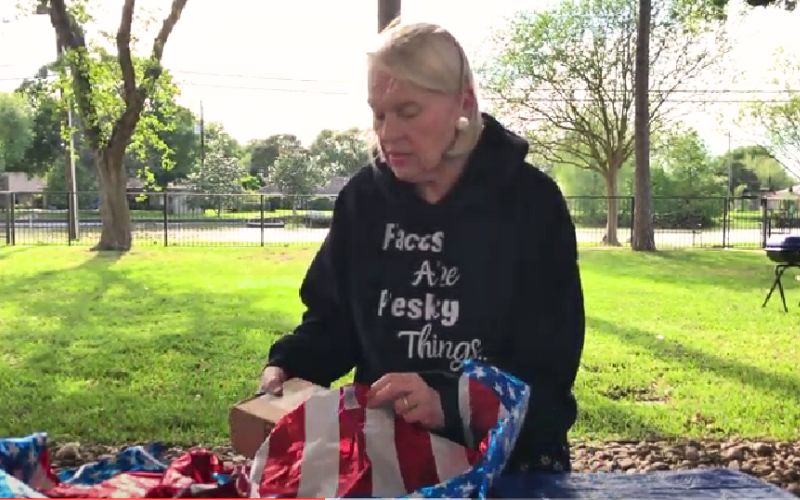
[[449, 247]]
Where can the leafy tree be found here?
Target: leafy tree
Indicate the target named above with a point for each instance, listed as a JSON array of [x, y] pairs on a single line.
[[781, 122], [178, 156], [751, 169], [85, 183], [221, 143], [219, 175], [686, 159], [110, 100], [46, 146], [16, 130], [340, 153], [568, 74], [295, 172], [786, 4], [771, 174], [262, 153]]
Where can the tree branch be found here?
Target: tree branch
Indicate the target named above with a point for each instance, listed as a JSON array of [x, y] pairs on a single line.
[[70, 38], [166, 28], [559, 152], [124, 127], [124, 50]]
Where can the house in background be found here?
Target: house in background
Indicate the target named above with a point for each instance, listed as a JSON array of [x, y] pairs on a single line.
[[21, 182], [142, 198], [784, 198], [333, 186], [29, 189]]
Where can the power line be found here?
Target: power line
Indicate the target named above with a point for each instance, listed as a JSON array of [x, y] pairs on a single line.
[[257, 77], [491, 98], [656, 90], [680, 101], [265, 89], [535, 89]]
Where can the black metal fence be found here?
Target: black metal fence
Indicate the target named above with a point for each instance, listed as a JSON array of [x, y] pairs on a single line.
[[683, 222], [173, 219], [192, 219]]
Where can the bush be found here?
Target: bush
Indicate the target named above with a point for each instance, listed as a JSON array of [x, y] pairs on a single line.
[[277, 202], [686, 213], [599, 219], [321, 203]]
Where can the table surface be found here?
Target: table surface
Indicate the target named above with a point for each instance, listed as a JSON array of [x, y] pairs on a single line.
[[691, 484]]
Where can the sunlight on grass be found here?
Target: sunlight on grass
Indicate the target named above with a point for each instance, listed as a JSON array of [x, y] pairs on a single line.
[[158, 343]]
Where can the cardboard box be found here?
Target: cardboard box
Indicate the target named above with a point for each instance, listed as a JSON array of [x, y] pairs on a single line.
[[251, 420]]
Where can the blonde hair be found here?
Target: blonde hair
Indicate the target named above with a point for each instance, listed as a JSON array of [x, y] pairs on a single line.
[[430, 57]]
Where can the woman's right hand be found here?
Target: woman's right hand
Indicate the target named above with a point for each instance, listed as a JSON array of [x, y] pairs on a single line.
[[272, 379]]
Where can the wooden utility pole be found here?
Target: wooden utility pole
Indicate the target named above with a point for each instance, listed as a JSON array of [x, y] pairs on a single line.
[[388, 11]]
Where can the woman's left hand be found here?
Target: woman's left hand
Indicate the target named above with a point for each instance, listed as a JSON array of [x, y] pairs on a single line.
[[413, 399]]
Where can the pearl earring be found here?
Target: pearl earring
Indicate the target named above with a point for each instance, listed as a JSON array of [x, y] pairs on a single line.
[[462, 123]]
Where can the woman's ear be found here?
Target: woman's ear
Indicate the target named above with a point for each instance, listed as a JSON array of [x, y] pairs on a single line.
[[468, 101]]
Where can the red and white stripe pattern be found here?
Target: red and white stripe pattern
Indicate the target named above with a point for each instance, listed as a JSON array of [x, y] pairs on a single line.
[[479, 408], [333, 446]]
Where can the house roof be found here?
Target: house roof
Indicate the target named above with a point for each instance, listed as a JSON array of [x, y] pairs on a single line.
[[333, 186], [790, 193], [21, 182]]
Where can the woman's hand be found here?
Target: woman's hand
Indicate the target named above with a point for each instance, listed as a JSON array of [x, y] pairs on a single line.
[[413, 399], [272, 379]]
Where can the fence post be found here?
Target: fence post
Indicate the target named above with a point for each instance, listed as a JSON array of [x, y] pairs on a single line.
[[633, 211], [69, 220], [12, 226], [166, 222], [764, 222], [7, 222], [725, 221], [262, 220]]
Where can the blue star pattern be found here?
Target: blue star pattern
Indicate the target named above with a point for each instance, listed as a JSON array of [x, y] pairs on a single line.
[[133, 458], [22, 458], [514, 396], [23, 466], [11, 487]]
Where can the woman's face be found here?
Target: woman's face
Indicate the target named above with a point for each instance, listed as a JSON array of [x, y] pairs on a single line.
[[414, 126]]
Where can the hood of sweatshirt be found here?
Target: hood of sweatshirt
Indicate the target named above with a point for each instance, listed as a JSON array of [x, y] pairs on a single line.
[[491, 166]]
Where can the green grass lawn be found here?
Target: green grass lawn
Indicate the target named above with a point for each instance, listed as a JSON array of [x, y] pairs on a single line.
[[157, 344]]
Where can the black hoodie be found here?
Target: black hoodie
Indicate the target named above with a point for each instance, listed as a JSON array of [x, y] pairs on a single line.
[[489, 272]]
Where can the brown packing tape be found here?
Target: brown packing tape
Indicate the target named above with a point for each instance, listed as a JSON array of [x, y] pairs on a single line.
[[252, 419]]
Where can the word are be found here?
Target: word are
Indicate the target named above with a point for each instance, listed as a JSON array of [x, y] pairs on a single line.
[[436, 274]]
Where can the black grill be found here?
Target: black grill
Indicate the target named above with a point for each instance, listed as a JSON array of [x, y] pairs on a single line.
[[784, 249], [785, 252]]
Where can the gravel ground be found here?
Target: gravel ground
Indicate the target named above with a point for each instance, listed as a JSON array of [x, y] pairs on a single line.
[[776, 462]]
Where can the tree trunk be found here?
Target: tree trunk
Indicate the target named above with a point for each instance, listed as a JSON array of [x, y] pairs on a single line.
[[114, 211], [643, 238], [388, 10], [612, 217]]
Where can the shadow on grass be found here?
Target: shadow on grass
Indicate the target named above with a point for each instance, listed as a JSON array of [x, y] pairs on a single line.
[[7, 251], [598, 416], [80, 371], [781, 386], [732, 270]]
